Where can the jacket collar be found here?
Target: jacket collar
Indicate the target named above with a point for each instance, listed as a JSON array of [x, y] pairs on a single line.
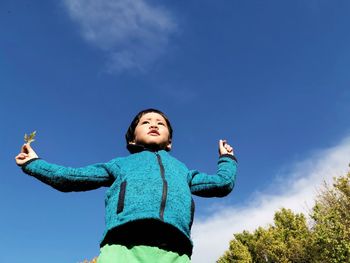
[[136, 148]]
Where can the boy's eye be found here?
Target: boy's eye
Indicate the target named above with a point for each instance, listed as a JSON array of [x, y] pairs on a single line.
[[161, 123], [145, 122]]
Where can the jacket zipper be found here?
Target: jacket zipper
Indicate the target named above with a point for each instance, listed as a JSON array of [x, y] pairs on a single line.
[[121, 198], [165, 187]]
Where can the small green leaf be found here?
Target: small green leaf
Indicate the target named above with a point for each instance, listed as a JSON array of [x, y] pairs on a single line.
[[30, 138]]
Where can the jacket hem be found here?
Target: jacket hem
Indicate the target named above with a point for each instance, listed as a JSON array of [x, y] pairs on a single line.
[[149, 232], [23, 166]]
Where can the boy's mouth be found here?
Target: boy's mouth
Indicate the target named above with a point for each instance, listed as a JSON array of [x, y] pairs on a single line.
[[153, 132]]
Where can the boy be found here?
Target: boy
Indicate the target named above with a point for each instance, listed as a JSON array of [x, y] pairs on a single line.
[[149, 207]]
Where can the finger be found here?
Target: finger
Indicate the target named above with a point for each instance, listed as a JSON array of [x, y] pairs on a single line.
[[24, 155], [226, 145], [21, 156], [20, 162]]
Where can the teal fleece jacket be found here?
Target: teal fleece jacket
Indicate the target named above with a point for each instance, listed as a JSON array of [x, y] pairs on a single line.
[[144, 185]]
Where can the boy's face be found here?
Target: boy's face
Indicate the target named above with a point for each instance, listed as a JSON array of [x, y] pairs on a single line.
[[152, 130]]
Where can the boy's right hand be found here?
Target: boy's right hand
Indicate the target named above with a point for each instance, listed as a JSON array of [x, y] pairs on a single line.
[[225, 148], [26, 154]]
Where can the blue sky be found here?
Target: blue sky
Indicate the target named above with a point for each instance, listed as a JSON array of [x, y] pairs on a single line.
[[269, 76]]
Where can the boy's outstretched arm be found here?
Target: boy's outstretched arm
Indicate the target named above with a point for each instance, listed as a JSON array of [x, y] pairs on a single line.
[[221, 183], [62, 178]]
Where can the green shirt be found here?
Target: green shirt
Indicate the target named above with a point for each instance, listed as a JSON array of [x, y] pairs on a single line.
[[139, 254]]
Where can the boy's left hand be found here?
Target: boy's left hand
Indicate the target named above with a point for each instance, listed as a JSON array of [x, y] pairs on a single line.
[[225, 148]]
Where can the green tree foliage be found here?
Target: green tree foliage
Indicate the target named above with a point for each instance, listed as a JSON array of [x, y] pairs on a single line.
[[331, 229], [237, 253], [285, 241], [291, 240]]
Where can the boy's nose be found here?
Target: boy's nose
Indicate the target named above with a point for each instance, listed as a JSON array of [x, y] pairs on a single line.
[[153, 126]]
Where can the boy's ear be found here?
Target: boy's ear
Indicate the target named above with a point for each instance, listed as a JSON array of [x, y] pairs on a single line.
[[168, 147]]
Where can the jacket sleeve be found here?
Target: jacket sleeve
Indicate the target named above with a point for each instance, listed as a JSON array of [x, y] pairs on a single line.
[[216, 185], [67, 179]]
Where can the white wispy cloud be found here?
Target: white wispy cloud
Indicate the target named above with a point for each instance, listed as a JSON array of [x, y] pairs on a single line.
[[134, 33], [297, 192]]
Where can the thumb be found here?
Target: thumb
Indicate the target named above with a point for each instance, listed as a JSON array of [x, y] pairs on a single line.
[[221, 146]]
